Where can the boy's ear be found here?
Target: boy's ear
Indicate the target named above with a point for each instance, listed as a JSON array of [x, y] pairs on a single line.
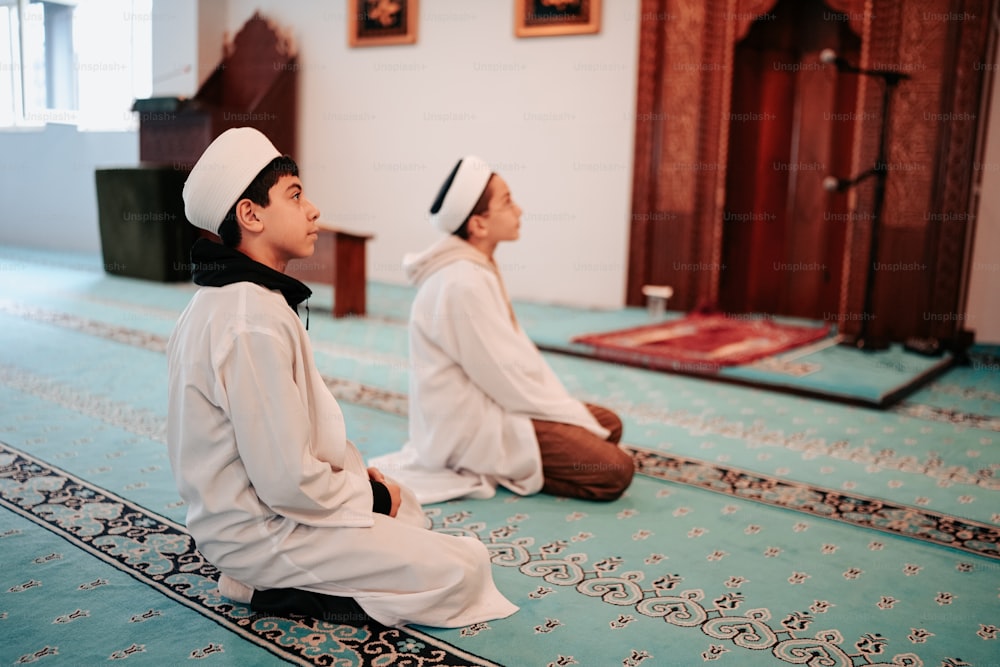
[[246, 215], [477, 225]]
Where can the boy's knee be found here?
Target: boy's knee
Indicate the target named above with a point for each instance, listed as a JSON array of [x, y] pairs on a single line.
[[619, 473], [615, 426], [608, 420]]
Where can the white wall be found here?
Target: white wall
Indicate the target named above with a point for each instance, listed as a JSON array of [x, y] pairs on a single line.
[[381, 127], [175, 48], [983, 308], [47, 184], [211, 41]]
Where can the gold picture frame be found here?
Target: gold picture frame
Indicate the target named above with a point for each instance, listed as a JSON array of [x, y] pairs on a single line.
[[543, 18], [381, 22]]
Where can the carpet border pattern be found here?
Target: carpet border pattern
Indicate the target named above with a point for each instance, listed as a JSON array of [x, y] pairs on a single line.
[[161, 554], [943, 530]]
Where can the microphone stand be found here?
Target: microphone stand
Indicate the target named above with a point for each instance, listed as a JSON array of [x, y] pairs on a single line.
[[880, 171]]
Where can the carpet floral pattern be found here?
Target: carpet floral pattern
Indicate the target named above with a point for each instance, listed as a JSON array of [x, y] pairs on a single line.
[[761, 529]]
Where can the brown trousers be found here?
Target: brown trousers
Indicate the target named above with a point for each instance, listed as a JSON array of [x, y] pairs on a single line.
[[578, 464]]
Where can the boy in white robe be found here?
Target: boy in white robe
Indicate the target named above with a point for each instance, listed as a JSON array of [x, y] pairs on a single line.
[[279, 500], [485, 408]]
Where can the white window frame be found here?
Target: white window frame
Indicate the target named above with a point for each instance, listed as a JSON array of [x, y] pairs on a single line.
[[12, 110], [99, 71]]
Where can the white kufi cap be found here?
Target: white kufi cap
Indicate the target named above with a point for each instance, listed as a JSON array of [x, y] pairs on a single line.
[[222, 174], [459, 194]]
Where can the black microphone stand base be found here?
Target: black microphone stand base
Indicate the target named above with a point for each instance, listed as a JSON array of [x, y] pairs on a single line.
[[866, 343], [929, 347]]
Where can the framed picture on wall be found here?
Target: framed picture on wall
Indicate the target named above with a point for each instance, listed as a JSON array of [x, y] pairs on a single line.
[[540, 18], [381, 22]]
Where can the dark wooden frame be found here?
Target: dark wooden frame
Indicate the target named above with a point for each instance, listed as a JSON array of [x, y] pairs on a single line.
[[403, 31], [527, 23]]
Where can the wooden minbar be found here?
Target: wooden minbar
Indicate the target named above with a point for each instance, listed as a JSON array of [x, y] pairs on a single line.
[[255, 85]]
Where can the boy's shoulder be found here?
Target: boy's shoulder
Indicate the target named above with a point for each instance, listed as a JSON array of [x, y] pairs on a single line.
[[242, 291], [239, 303], [460, 276]]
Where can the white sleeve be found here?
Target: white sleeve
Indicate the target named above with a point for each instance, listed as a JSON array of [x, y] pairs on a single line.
[[274, 438]]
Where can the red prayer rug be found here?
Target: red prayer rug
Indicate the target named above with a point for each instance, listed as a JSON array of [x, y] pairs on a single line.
[[702, 342]]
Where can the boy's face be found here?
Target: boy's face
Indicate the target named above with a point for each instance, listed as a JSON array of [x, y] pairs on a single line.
[[503, 217], [289, 220]]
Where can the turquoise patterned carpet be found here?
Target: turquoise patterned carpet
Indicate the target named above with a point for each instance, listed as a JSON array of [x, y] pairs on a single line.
[[762, 528]]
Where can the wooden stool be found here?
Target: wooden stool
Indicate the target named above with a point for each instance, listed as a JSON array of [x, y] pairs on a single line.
[[339, 260]]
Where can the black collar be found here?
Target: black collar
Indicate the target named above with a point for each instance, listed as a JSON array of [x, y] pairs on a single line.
[[216, 265]]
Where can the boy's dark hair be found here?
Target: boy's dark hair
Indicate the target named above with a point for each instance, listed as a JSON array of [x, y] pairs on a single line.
[[482, 205], [257, 192]]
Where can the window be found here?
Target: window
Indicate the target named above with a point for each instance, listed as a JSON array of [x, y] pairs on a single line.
[[74, 61]]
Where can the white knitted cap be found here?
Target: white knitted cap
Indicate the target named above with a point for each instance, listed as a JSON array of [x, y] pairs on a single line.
[[222, 174], [459, 194]]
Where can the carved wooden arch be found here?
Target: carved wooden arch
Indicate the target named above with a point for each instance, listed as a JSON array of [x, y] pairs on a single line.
[[749, 11], [684, 84], [261, 51], [854, 10]]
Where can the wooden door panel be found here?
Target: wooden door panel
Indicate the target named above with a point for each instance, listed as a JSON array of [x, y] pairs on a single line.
[[782, 249]]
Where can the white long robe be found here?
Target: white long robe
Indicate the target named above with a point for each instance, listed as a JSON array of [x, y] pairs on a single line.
[[476, 382], [277, 496]]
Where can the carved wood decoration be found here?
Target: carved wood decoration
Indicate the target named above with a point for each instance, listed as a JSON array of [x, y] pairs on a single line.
[[262, 54], [683, 145], [963, 103], [255, 85]]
